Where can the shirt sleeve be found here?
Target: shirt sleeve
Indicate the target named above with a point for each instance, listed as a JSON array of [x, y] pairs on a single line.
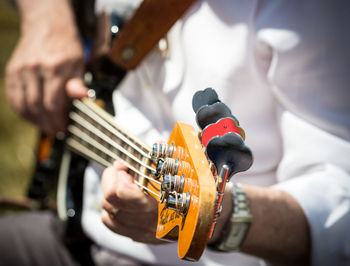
[[309, 76], [315, 171]]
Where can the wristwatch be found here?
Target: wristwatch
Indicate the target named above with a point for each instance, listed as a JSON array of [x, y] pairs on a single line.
[[237, 228]]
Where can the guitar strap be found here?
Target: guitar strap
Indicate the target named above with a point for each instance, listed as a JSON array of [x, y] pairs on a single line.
[[151, 21]]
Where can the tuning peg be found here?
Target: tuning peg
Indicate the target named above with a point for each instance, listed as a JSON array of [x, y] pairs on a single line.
[[229, 150], [204, 97], [220, 128], [210, 114]]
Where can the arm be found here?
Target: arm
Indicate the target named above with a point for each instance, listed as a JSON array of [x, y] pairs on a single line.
[[307, 214], [47, 63], [276, 214], [281, 232]]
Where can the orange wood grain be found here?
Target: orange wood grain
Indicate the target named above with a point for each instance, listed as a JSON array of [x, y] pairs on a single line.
[[192, 230]]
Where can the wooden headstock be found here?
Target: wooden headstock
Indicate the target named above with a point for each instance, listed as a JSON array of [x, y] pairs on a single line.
[[187, 214]]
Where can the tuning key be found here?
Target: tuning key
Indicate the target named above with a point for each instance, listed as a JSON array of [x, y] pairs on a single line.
[[205, 97], [210, 114], [178, 202], [173, 183], [172, 194], [220, 128], [229, 150], [162, 150]]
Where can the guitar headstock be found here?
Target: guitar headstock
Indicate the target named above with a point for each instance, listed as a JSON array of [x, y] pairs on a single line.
[[187, 169], [188, 192]]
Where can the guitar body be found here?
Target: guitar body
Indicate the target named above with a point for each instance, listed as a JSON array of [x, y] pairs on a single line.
[[193, 227]]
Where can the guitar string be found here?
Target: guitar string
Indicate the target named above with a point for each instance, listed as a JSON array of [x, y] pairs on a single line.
[[101, 122], [106, 126], [98, 133], [88, 139], [87, 111], [106, 120], [80, 148]]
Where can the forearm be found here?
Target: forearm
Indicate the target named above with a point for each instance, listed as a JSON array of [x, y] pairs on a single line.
[[58, 12], [279, 232]]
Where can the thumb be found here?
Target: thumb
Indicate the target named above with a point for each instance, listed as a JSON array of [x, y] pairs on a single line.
[[76, 88]]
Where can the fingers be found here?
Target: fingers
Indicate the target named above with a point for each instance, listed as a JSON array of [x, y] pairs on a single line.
[[24, 91], [39, 80], [33, 91], [14, 89], [109, 181], [120, 190], [137, 212], [55, 102], [140, 232], [76, 88], [57, 73], [123, 218]]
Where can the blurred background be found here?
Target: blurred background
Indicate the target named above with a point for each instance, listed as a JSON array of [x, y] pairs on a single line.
[[17, 138]]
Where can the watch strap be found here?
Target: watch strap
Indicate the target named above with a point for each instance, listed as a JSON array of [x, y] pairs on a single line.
[[237, 228]]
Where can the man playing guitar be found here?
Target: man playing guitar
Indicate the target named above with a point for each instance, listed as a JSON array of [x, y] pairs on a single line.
[[261, 56]]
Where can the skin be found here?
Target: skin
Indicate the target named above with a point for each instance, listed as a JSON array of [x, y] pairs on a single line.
[[47, 64], [279, 232], [137, 212], [45, 70]]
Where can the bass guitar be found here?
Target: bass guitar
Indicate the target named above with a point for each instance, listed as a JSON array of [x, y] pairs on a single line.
[[178, 174], [187, 177]]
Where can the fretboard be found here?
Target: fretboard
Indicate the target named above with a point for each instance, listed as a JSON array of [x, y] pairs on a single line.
[[94, 135]]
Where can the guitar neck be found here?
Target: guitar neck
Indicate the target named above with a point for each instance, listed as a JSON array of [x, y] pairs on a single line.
[[94, 135]]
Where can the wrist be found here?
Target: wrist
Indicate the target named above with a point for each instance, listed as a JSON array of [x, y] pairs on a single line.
[[234, 231], [225, 215]]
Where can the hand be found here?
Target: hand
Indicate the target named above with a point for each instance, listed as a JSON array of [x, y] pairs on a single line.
[[47, 64], [137, 212]]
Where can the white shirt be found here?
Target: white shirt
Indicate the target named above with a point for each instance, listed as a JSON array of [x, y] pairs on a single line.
[[281, 66]]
